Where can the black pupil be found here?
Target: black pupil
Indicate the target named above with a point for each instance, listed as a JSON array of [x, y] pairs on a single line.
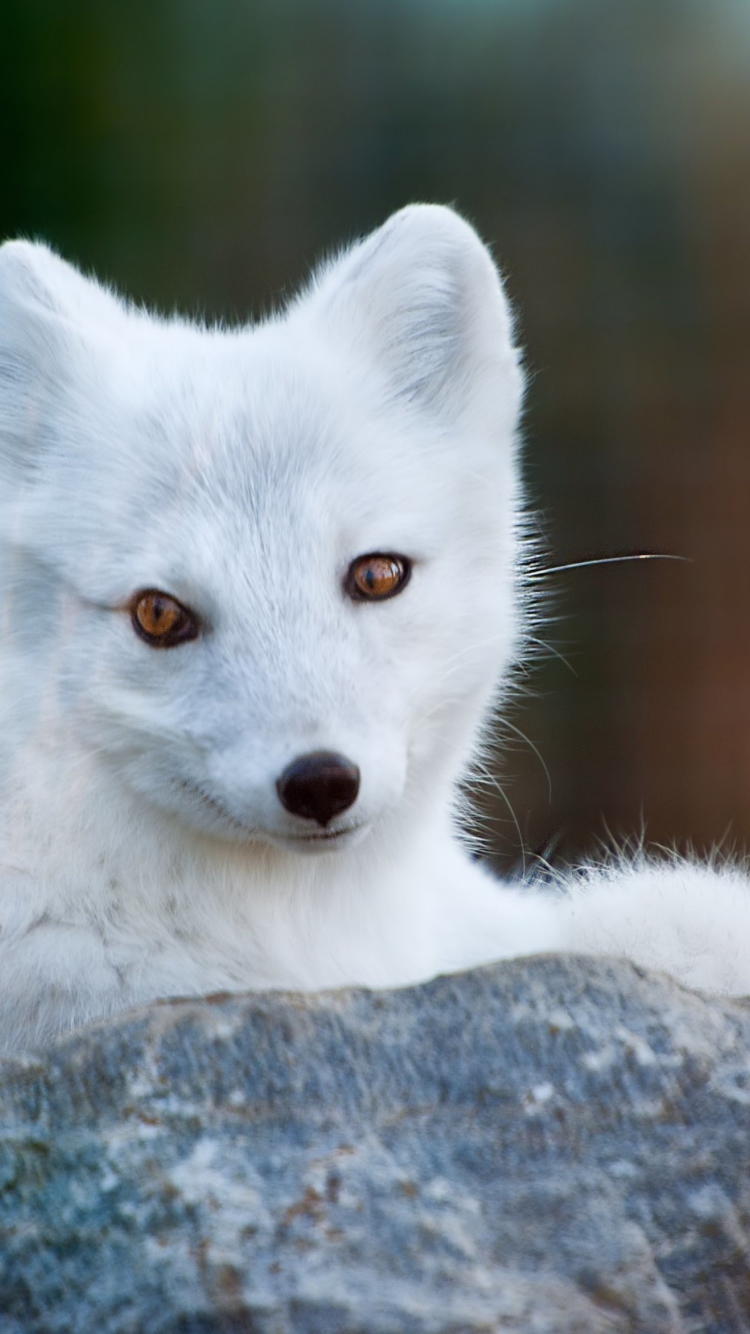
[[163, 615]]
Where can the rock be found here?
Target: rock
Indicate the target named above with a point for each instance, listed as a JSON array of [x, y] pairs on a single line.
[[554, 1145]]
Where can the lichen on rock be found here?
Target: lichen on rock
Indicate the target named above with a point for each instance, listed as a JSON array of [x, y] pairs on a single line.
[[554, 1145]]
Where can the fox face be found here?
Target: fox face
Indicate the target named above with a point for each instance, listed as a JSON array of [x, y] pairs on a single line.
[[265, 578]]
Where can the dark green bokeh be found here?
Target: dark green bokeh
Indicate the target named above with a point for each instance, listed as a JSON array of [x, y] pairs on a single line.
[[202, 153]]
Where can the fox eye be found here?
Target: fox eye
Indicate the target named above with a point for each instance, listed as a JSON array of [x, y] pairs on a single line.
[[161, 620], [377, 577]]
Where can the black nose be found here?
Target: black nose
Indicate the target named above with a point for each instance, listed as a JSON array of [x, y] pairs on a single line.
[[319, 786]]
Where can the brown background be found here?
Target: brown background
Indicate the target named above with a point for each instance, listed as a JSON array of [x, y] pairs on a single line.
[[202, 153]]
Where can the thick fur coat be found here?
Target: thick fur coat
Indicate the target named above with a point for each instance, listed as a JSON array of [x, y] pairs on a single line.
[[145, 849]]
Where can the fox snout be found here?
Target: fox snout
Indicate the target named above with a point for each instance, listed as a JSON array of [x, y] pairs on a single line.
[[319, 786]]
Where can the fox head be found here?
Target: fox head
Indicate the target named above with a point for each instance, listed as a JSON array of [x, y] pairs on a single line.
[[266, 577]]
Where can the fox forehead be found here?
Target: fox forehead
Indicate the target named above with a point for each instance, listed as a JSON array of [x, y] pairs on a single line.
[[248, 441], [377, 412]]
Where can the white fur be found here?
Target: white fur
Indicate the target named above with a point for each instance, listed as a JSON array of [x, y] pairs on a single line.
[[143, 849]]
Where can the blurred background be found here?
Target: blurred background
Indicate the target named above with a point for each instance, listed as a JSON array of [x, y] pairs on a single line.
[[202, 153]]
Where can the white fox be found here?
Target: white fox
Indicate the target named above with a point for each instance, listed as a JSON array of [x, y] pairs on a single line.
[[258, 591]]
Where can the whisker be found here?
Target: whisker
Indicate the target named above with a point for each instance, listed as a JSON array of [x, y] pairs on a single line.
[[505, 722], [480, 776], [555, 653], [605, 560]]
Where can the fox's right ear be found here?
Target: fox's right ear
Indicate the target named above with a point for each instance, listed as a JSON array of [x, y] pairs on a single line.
[[46, 307]]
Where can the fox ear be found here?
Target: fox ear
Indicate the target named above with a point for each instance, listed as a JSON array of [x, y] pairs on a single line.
[[422, 296], [45, 309]]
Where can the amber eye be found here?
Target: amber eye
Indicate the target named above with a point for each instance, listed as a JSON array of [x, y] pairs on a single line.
[[376, 577], [161, 620]]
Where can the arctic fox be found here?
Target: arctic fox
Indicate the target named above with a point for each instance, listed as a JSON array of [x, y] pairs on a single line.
[[259, 590]]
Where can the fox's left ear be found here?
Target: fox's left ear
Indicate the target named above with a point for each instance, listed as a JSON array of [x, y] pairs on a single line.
[[47, 312], [423, 298]]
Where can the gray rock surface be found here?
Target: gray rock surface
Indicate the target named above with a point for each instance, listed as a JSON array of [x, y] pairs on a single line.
[[550, 1145]]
